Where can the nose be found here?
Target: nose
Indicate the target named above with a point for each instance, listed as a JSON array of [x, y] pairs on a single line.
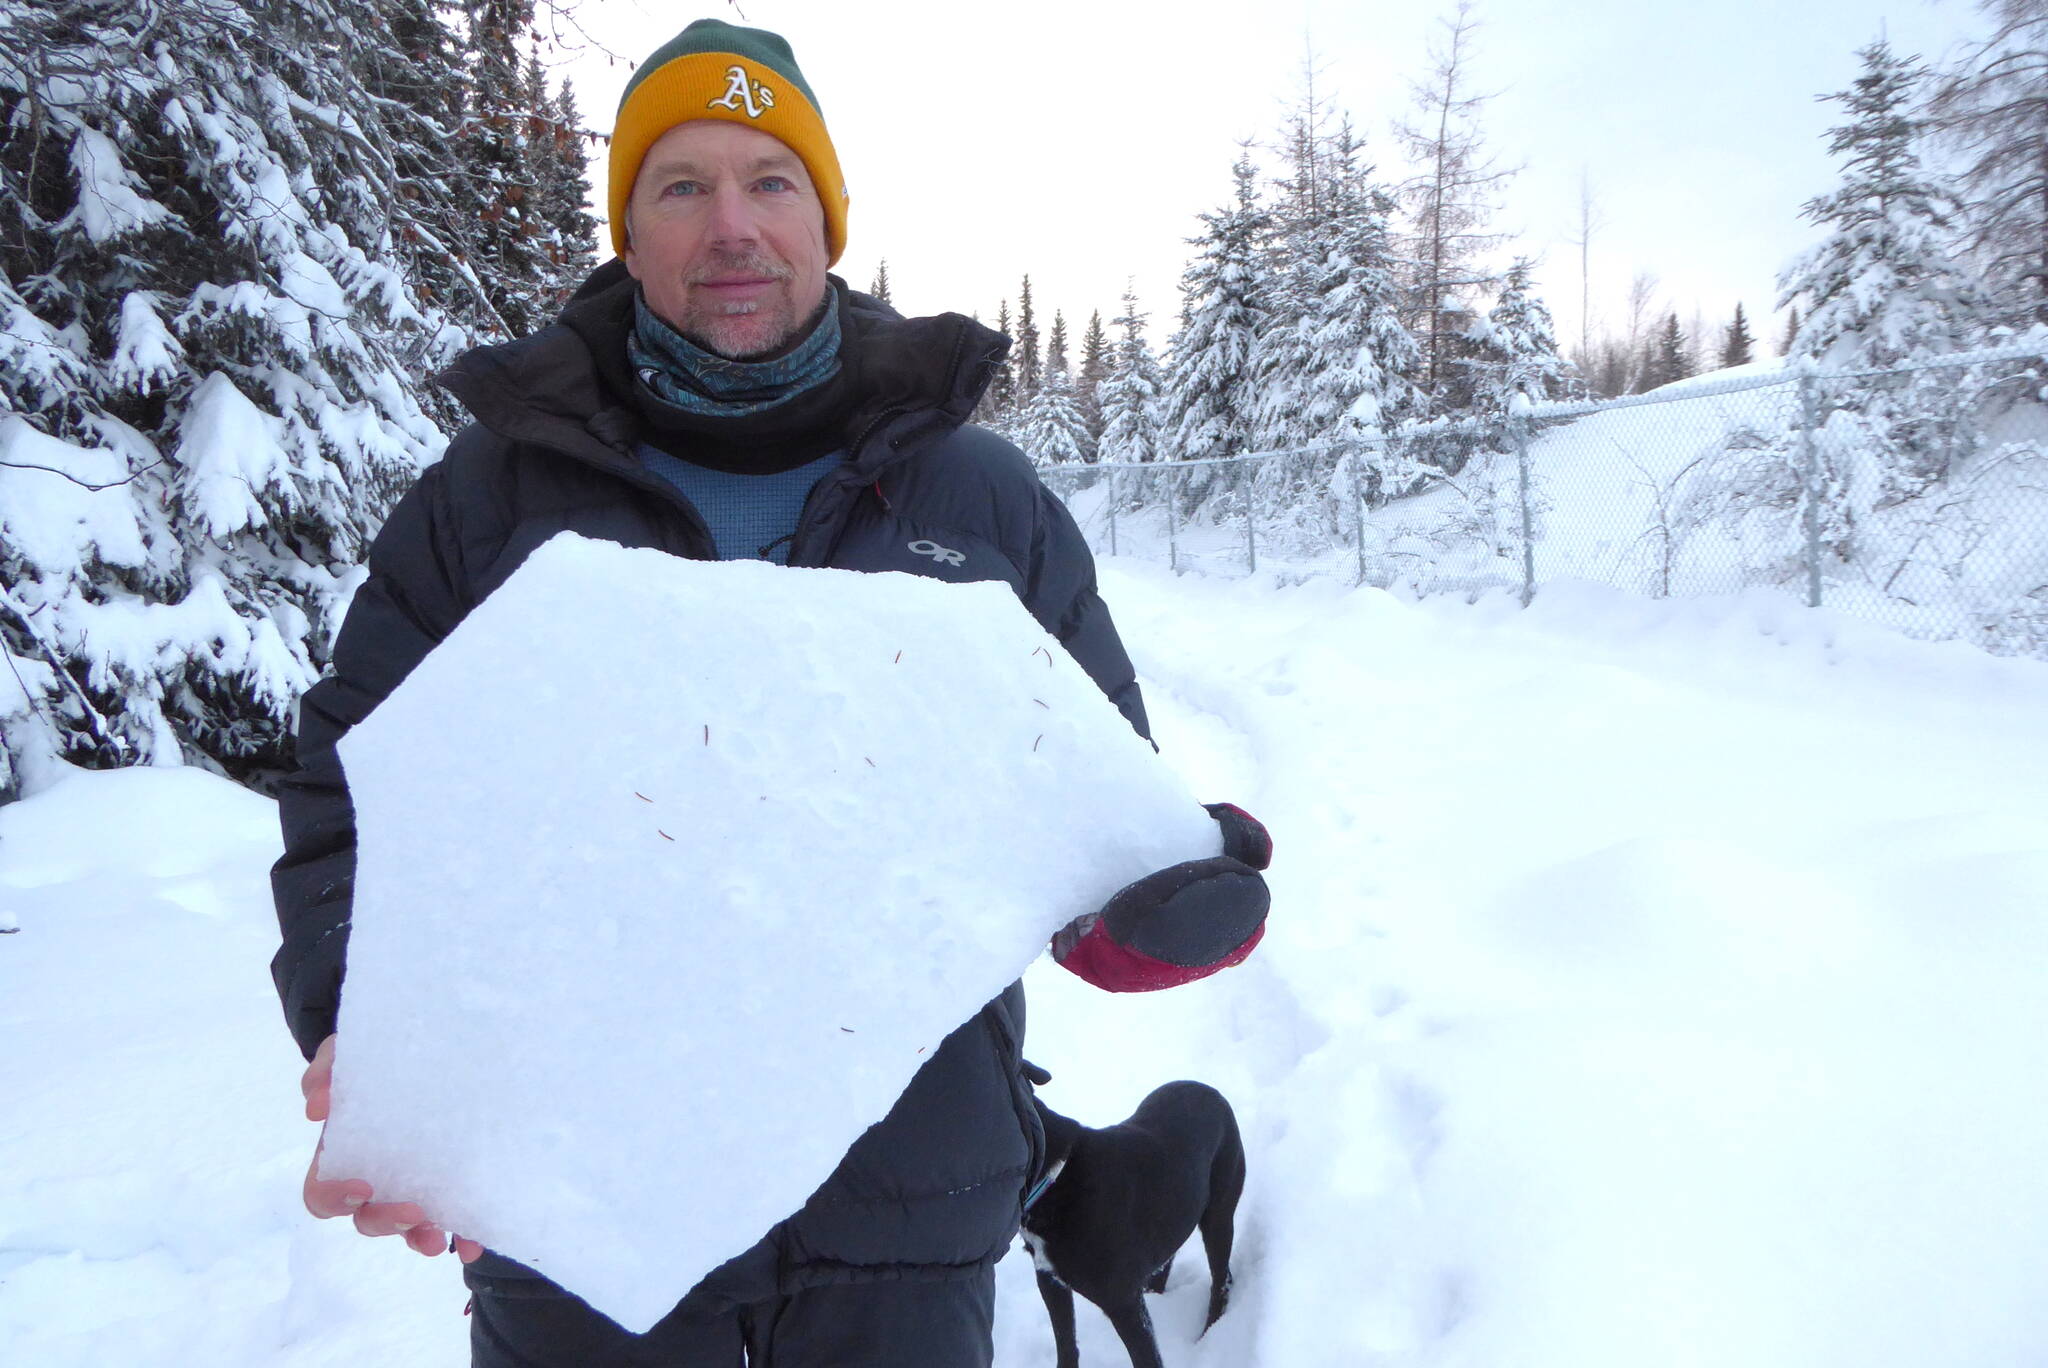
[[734, 219]]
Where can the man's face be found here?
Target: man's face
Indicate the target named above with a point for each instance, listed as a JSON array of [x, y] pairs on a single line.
[[727, 238]]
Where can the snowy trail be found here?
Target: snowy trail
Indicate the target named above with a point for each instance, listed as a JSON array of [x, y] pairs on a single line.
[[1258, 711], [1648, 982]]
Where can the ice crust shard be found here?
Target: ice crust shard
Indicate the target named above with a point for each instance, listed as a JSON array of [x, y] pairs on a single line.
[[671, 875]]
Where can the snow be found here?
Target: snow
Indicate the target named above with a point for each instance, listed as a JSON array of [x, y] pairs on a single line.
[[808, 851], [146, 356], [50, 509], [112, 201], [1648, 982], [230, 451]]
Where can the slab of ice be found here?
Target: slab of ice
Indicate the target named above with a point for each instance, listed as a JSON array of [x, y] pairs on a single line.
[[672, 873]]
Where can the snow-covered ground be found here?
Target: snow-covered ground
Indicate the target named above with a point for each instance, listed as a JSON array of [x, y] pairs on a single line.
[[1649, 982]]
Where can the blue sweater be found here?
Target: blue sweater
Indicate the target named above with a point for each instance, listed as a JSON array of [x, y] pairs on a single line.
[[750, 516]]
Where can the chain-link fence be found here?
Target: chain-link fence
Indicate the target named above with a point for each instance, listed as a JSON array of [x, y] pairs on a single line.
[[1916, 496]]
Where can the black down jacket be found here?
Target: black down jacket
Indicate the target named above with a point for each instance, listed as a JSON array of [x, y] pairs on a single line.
[[934, 1189]]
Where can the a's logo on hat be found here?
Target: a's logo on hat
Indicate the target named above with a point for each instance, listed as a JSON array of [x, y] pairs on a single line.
[[743, 94]]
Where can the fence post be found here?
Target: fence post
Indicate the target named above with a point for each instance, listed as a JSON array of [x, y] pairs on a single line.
[[1809, 450], [1172, 523], [1112, 512], [1518, 423], [1358, 506], [1251, 532]]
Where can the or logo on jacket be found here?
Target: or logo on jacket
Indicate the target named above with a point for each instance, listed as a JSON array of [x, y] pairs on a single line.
[[944, 555]]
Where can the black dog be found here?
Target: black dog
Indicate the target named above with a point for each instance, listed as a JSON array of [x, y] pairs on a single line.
[[1115, 1204]]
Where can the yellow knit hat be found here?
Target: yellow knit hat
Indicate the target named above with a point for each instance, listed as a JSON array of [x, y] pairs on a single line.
[[716, 70]]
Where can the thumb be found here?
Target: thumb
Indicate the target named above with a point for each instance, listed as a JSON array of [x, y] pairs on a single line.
[[316, 1084]]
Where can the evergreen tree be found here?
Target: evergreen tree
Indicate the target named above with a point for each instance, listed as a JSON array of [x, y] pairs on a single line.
[[1094, 370], [1992, 110], [1299, 208], [558, 166], [1051, 429], [206, 369], [516, 156], [880, 288], [1209, 403], [1736, 345], [1669, 359], [1056, 351], [1298, 231], [1518, 348], [998, 400], [1885, 286], [1132, 394], [417, 76], [1025, 359], [1450, 200], [1339, 369], [1056, 421], [1790, 338]]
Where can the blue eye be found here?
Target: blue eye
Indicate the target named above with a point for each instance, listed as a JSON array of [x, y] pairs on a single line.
[[682, 188], [776, 183]]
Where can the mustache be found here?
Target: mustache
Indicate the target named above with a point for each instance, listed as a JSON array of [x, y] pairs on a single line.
[[724, 265]]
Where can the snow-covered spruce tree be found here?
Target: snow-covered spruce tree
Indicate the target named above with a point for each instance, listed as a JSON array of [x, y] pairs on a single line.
[[1337, 371], [1051, 429], [1223, 292], [1088, 380], [880, 288], [206, 370], [1886, 285], [1024, 358], [1132, 393], [1517, 349], [1450, 202], [1297, 233], [1736, 344], [1992, 110]]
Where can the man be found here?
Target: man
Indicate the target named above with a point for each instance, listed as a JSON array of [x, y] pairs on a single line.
[[715, 393]]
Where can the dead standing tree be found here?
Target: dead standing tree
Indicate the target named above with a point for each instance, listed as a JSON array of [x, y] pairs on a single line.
[[1450, 202]]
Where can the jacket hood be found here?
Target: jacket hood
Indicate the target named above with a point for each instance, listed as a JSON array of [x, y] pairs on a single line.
[[570, 383]]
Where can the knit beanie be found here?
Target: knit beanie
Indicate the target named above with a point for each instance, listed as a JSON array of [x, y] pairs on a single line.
[[716, 70]]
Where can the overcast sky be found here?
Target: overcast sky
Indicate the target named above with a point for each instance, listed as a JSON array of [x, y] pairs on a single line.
[[1078, 139]]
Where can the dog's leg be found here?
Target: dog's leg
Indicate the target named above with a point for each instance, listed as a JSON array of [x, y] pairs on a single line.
[[1157, 1282], [1219, 1226], [1059, 1304], [1134, 1327]]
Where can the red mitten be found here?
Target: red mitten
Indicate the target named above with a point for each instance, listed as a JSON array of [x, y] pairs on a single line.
[[1178, 925]]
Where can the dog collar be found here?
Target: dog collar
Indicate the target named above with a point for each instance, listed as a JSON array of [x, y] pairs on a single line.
[[1044, 1183]]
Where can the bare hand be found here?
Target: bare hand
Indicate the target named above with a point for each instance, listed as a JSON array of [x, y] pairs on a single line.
[[326, 1197]]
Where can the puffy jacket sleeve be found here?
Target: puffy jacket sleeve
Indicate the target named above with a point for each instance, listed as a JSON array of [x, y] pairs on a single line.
[[411, 600], [1061, 593]]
